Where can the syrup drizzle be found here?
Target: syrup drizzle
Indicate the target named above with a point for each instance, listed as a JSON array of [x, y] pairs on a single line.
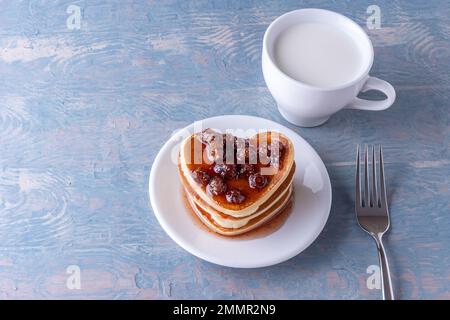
[[262, 231], [240, 183]]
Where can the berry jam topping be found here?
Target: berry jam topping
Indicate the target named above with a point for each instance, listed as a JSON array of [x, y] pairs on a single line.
[[226, 171], [201, 176], [216, 186], [235, 163], [235, 196], [257, 181], [247, 169]]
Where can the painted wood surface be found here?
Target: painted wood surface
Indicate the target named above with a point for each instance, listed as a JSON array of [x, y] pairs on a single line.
[[83, 113]]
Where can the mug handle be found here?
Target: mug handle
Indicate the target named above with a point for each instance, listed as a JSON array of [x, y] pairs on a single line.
[[374, 84]]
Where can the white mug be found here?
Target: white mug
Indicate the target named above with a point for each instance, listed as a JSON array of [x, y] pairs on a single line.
[[309, 106]]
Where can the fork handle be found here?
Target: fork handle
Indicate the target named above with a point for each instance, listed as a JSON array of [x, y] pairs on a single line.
[[386, 283]]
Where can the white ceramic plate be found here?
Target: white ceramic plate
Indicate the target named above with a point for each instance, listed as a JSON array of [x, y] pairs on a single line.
[[309, 214]]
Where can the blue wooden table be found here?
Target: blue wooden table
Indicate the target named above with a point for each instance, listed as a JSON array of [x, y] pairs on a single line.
[[90, 91]]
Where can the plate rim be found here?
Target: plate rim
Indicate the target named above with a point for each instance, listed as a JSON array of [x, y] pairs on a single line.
[[191, 249]]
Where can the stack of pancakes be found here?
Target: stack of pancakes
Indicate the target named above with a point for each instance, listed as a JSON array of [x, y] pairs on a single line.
[[259, 206]]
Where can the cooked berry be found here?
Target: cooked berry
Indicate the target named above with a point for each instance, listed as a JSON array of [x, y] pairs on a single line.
[[257, 181], [226, 171], [235, 196], [200, 176], [247, 169], [216, 186]]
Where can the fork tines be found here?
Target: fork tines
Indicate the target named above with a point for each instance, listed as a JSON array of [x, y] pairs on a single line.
[[374, 193]]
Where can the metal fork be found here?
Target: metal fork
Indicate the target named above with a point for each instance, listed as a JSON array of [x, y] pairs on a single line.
[[372, 211]]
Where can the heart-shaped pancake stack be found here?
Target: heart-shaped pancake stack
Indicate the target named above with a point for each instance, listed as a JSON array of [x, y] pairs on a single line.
[[235, 185]]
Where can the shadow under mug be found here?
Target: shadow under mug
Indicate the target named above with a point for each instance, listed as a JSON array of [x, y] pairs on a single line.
[[308, 106]]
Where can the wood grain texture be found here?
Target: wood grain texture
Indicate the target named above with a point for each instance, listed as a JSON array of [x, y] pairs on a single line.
[[84, 112]]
